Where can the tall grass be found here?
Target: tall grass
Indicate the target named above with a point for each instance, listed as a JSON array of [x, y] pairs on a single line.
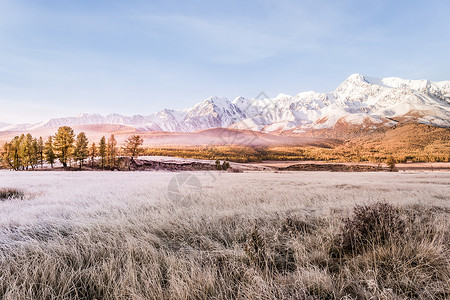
[[253, 242]]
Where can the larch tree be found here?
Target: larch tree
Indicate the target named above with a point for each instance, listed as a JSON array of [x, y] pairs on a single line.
[[40, 151], [81, 152], [26, 145], [7, 155], [63, 144], [93, 153], [102, 151], [34, 154], [14, 153], [132, 145], [49, 152], [16, 149], [112, 151]]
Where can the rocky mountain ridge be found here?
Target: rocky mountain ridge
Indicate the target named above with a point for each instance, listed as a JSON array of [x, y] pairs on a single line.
[[358, 101]]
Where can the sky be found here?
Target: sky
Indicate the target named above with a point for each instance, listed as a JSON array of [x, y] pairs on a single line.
[[59, 58]]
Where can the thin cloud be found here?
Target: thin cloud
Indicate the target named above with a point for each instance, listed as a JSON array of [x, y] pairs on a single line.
[[240, 41], [154, 54]]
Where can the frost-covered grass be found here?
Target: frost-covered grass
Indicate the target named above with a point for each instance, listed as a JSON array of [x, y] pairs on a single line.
[[221, 235]]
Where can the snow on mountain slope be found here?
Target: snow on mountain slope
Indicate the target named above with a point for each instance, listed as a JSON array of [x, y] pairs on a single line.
[[395, 97], [358, 101], [17, 127], [2, 125]]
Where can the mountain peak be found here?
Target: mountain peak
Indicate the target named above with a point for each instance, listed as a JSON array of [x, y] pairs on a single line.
[[358, 98], [282, 96], [360, 78], [355, 77], [238, 99]]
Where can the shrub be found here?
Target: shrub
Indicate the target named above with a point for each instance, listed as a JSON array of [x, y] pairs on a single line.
[[11, 193], [371, 225], [225, 165], [255, 248], [391, 163]]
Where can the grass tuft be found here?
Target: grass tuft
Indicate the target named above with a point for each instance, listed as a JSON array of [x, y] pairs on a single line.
[[11, 193], [371, 225]]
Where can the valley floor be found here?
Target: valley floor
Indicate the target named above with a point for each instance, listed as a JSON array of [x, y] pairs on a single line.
[[219, 235], [169, 163]]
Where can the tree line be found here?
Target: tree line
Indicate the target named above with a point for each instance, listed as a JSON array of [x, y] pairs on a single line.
[[26, 152]]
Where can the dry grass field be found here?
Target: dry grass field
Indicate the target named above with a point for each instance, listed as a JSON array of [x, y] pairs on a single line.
[[260, 235]]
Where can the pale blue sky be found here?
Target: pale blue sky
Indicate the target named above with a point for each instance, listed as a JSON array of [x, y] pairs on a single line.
[[60, 57]]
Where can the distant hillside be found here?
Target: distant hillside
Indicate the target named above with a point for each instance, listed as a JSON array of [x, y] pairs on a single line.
[[405, 142]]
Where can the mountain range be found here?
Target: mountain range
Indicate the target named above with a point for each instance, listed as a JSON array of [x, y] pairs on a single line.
[[360, 101]]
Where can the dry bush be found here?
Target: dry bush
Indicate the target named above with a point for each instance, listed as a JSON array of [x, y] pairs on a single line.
[[11, 193], [392, 253], [371, 225], [391, 163]]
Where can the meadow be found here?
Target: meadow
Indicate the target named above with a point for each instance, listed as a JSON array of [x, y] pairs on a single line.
[[218, 235]]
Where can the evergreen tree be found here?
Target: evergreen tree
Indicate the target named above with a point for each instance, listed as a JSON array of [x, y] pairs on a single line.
[[16, 152], [40, 151], [12, 154], [102, 150], [7, 155], [218, 166], [93, 154], [25, 150], [81, 151], [49, 152], [3, 162], [63, 144], [225, 165], [34, 153], [132, 145], [112, 150]]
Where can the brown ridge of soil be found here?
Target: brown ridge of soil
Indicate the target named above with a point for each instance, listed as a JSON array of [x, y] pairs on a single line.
[[150, 165], [334, 168]]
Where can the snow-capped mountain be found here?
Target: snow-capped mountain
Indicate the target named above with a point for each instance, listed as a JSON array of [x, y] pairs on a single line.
[[359, 100]]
